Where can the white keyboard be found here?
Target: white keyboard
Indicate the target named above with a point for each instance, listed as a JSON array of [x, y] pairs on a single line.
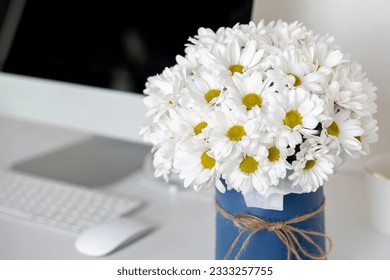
[[58, 204]]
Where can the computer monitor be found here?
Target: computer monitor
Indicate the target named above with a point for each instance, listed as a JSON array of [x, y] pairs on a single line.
[[84, 65]]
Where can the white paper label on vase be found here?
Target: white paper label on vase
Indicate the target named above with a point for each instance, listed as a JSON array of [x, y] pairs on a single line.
[[271, 202]]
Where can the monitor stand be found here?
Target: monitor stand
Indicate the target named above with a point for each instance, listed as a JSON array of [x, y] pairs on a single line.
[[95, 162]]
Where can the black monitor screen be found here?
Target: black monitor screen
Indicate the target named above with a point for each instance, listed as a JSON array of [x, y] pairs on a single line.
[[112, 44]]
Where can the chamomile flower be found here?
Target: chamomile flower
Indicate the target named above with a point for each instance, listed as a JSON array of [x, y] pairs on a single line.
[[163, 157], [342, 131], [164, 92], [284, 34], [325, 56], [189, 62], [230, 132], [247, 93], [277, 161], [369, 136], [294, 113], [295, 70], [313, 166], [231, 58], [206, 37], [197, 166], [352, 91], [187, 123], [251, 31], [247, 172], [157, 133], [206, 88]]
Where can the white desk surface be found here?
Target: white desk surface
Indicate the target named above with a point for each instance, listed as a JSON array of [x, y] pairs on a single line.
[[184, 220]]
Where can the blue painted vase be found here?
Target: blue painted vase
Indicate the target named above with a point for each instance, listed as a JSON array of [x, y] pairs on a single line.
[[265, 244]]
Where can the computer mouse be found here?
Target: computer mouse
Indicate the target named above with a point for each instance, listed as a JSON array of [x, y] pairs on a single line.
[[104, 238]]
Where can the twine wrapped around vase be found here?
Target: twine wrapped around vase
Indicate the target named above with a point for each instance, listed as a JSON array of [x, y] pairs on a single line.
[[284, 230]]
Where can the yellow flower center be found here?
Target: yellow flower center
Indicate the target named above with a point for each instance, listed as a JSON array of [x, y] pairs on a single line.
[[298, 80], [207, 161], [309, 164], [170, 102], [333, 129], [292, 119], [273, 154], [236, 68], [249, 165], [236, 132], [359, 138], [250, 100], [199, 127], [212, 93]]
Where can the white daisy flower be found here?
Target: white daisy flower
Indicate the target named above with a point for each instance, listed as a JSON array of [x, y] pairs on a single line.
[[164, 92], [277, 161], [342, 131], [206, 89], [206, 37], [248, 32], [230, 132], [163, 158], [325, 56], [232, 58], [247, 93], [369, 136], [157, 133], [313, 166], [187, 123], [295, 70], [284, 34], [190, 61], [294, 113], [197, 166], [346, 98], [166, 139], [352, 91], [247, 172]]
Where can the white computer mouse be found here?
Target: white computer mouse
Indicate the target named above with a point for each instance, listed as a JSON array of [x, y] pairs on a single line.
[[106, 237]]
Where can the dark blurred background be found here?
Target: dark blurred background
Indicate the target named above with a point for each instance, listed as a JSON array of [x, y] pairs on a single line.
[[112, 44]]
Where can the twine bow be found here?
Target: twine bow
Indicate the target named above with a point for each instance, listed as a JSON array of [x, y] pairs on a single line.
[[285, 230]]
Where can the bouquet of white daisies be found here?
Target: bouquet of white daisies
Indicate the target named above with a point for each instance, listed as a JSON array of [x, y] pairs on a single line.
[[271, 108]]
